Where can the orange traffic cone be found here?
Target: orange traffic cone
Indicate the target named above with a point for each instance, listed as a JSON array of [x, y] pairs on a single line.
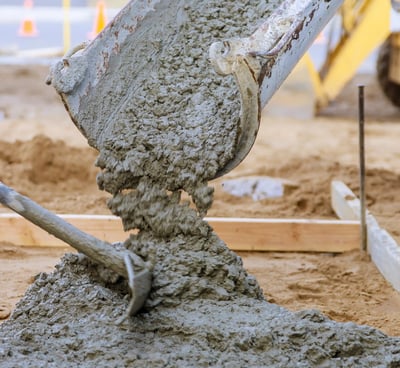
[[101, 19], [28, 26]]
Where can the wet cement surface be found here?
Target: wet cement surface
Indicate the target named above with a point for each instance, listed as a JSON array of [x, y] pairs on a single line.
[[67, 319], [173, 134]]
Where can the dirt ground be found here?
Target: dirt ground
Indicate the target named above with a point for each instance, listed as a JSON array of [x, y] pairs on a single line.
[[43, 156]]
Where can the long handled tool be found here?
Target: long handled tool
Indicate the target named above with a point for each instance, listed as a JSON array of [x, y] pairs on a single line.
[[118, 259]]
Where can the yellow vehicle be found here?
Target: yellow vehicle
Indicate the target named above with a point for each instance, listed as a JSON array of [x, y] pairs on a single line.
[[364, 25]]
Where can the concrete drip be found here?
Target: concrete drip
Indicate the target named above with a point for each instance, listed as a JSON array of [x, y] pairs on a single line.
[[174, 126], [178, 128]]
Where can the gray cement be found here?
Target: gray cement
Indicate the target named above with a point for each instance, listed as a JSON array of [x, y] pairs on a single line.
[[175, 127], [67, 319], [165, 118]]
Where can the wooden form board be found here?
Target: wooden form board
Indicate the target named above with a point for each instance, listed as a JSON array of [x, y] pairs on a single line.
[[384, 250], [291, 235], [240, 234]]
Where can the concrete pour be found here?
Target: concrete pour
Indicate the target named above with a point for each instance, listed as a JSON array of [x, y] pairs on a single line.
[[174, 133]]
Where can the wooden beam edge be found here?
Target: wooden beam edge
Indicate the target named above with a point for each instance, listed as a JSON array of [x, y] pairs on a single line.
[[384, 250], [240, 234]]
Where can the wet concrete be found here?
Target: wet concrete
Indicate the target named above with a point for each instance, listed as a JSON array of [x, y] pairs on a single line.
[[176, 129], [67, 319]]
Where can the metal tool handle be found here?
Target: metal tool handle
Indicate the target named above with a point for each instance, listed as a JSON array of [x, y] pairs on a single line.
[[121, 261]]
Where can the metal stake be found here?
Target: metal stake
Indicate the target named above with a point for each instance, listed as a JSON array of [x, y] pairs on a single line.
[[361, 136]]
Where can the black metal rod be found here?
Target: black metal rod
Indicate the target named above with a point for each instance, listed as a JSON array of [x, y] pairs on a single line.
[[361, 138]]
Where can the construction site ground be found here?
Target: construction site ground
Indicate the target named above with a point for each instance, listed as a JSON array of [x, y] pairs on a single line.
[[43, 156]]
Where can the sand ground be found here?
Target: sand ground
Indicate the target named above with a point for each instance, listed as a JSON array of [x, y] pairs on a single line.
[[43, 156]]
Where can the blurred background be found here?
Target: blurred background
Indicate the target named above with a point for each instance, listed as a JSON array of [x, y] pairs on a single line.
[[47, 28]]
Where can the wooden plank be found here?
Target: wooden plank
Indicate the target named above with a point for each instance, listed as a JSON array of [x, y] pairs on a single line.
[[16, 230], [290, 235], [384, 250], [240, 234]]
